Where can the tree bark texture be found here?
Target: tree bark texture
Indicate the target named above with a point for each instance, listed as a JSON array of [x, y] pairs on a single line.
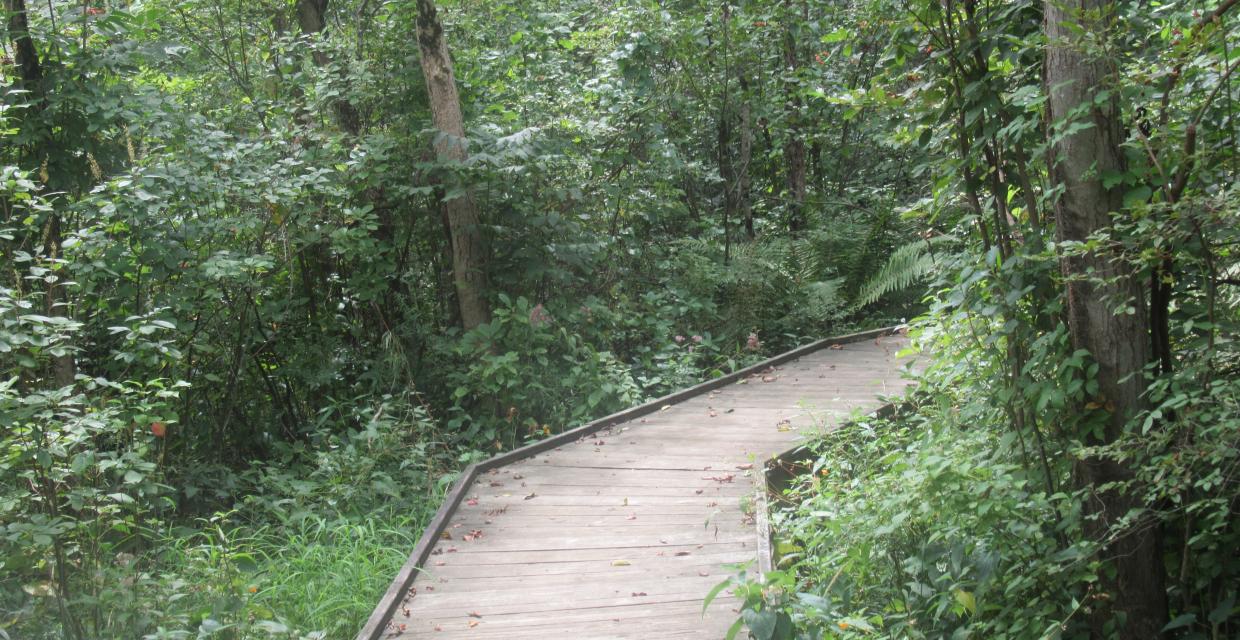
[[1098, 283], [27, 57], [468, 248]]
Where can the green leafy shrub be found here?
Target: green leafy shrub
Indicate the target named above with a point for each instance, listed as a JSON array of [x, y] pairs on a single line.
[[525, 374]]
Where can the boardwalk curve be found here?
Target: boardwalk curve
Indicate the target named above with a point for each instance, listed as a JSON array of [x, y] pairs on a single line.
[[619, 528]]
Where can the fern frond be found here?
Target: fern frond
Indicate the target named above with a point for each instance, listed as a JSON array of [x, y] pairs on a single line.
[[906, 266]]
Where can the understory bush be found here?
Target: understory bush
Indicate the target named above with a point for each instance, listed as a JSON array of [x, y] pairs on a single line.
[[958, 517]]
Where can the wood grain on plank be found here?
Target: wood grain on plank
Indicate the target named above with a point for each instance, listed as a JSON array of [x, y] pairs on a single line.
[[620, 531]]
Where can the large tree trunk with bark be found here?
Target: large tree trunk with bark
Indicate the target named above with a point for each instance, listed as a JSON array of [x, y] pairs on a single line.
[[468, 248], [1098, 283]]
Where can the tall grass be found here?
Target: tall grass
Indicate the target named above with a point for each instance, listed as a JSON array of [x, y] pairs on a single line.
[[312, 579]]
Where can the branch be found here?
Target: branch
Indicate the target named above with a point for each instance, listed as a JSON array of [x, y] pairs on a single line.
[[1178, 70]]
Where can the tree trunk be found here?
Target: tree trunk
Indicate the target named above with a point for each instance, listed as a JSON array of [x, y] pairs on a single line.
[[743, 159], [794, 146], [468, 249], [64, 369], [1097, 283], [311, 18], [727, 172]]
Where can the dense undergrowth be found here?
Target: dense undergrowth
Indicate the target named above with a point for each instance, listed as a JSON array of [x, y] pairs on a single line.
[[950, 519], [236, 367]]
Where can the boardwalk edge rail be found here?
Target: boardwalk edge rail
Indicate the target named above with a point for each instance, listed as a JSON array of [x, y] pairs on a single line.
[[376, 624], [764, 488]]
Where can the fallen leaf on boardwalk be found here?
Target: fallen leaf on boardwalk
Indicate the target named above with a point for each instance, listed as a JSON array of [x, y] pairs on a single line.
[[632, 517], [475, 614], [473, 502], [438, 628], [447, 535], [712, 413], [712, 503], [451, 549], [837, 347], [665, 407], [729, 410], [531, 496], [473, 623], [626, 502], [440, 563], [620, 563], [768, 378], [745, 467], [682, 553], [472, 535], [517, 476], [703, 573], [698, 491], [496, 484], [638, 593]]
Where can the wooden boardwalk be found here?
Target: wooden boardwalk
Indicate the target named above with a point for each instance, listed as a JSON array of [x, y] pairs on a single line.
[[620, 528]]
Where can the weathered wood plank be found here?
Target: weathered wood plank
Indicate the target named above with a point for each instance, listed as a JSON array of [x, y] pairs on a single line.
[[555, 539]]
